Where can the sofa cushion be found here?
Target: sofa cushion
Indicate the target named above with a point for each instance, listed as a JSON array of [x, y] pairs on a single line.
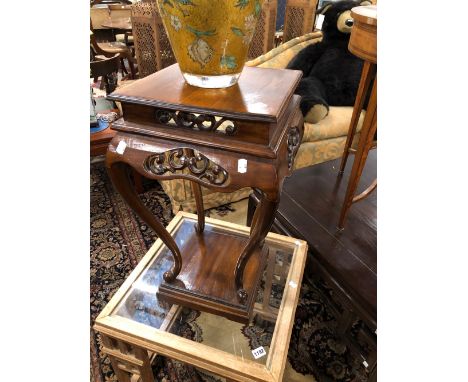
[[335, 124], [312, 153], [182, 198]]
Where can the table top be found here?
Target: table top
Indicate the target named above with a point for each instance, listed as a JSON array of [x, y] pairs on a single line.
[[366, 14], [122, 23], [261, 94], [101, 138], [310, 206], [136, 311]]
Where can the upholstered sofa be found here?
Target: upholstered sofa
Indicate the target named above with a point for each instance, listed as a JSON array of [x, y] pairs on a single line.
[[322, 141]]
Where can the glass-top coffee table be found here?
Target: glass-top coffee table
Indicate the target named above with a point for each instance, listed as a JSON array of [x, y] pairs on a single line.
[[136, 326]]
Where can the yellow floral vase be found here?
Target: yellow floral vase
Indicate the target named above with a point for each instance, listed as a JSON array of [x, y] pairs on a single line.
[[210, 38]]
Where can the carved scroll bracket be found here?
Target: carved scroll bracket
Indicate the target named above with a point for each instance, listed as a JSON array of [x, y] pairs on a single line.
[[179, 159], [201, 122], [294, 140]]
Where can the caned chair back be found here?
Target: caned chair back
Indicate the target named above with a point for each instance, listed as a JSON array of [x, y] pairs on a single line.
[[153, 51], [264, 36], [299, 18]]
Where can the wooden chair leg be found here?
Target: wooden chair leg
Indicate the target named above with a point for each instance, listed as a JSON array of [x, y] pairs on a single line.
[[124, 69], [132, 68], [368, 73]]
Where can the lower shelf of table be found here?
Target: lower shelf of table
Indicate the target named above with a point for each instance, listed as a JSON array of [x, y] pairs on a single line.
[[207, 279], [136, 322]]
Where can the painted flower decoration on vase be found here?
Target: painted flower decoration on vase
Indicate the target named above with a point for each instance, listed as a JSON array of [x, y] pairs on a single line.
[[200, 51], [175, 22], [248, 31], [242, 3], [249, 24], [228, 62], [247, 38]]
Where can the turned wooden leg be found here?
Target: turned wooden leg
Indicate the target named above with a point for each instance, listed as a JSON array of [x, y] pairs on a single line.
[[365, 144], [261, 224], [122, 66], [121, 180], [131, 66], [368, 73]]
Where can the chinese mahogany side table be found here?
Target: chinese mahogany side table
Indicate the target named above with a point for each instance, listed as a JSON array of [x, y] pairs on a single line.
[[363, 44], [246, 135]]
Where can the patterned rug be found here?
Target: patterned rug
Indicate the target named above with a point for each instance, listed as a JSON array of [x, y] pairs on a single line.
[[119, 239]]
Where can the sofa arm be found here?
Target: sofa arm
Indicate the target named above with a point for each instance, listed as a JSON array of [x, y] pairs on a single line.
[[280, 56]]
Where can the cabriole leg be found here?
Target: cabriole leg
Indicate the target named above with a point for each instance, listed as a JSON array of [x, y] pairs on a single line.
[[261, 224], [121, 180]]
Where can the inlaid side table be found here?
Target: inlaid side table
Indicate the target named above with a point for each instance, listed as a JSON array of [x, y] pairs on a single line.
[[223, 139], [363, 44], [136, 325]]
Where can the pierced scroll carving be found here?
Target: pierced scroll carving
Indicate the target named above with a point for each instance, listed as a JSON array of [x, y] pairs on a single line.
[[179, 159], [201, 122], [293, 144]]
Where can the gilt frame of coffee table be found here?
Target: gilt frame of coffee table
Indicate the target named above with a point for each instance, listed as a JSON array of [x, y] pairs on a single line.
[[223, 139]]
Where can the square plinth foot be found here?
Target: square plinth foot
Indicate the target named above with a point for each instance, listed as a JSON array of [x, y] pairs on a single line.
[[207, 281]]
